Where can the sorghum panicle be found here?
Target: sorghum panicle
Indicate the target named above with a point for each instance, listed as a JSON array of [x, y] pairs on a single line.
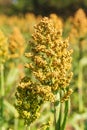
[[58, 22], [3, 48], [50, 57], [49, 65], [79, 27], [16, 43]]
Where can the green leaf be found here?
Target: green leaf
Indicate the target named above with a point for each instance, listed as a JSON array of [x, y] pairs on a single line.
[[11, 78]]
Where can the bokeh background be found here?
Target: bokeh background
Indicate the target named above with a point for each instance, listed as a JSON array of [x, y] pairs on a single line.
[[17, 18]]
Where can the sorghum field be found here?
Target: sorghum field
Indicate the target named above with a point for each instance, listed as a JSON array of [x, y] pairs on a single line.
[[43, 71]]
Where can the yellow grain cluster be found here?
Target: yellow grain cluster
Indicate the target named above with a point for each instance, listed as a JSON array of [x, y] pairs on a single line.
[[58, 22], [16, 43], [49, 64], [79, 28], [3, 48]]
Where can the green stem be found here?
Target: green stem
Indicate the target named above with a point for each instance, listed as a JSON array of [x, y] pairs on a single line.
[[58, 123], [15, 124], [27, 127], [65, 115], [80, 77], [2, 90], [61, 122], [80, 49], [80, 89], [2, 80], [54, 116]]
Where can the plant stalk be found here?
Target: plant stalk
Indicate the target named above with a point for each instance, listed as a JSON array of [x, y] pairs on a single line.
[[65, 115], [2, 90], [54, 115]]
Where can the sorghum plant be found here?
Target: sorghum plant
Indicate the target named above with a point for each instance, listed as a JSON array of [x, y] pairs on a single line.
[[49, 65], [3, 58], [78, 33], [78, 39], [3, 48], [16, 43], [58, 22]]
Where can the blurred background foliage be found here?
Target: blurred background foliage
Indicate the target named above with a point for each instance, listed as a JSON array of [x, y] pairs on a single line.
[[43, 7], [17, 18]]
